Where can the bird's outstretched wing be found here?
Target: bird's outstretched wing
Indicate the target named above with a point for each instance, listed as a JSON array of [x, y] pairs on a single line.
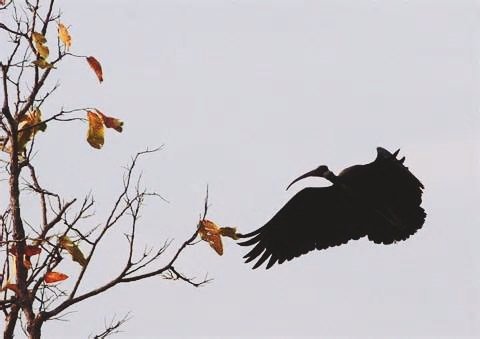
[[315, 218], [392, 192]]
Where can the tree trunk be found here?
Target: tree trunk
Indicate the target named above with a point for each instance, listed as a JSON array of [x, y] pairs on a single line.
[[10, 322]]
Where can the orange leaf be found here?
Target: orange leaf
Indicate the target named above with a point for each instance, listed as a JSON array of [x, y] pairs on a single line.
[[97, 68], [52, 277], [64, 35], [111, 122], [96, 131], [210, 233]]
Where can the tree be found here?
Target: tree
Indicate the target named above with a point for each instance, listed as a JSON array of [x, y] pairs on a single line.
[[32, 290]]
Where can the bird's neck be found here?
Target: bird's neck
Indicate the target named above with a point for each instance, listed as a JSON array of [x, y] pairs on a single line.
[[329, 175]]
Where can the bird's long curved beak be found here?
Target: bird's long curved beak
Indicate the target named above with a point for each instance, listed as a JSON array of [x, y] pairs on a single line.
[[303, 176]]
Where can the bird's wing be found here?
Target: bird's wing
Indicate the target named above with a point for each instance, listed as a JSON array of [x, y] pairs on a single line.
[[393, 192], [315, 218]]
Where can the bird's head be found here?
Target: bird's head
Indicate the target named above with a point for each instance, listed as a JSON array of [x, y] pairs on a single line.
[[320, 171]]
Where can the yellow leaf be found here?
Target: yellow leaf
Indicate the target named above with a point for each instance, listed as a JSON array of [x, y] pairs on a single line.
[[38, 38], [230, 232], [210, 233], [42, 63], [111, 122], [97, 68], [64, 35], [72, 248], [52, 277], [28, 126], [42, 50], [96, 131]]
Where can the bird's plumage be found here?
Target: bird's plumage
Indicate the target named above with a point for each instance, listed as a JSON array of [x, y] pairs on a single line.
[[380, 200]]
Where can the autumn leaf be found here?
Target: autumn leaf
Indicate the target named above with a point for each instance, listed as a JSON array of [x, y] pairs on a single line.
[[43, 51], [42, 63], [210, 233], [111, 122], [53, 277], [97, 68], [38, 38], [28, 126], [96, 131], [13, 287], [67, 244], [230, 232], [29, 250], [32, 250], [64, 35], [27, 263]]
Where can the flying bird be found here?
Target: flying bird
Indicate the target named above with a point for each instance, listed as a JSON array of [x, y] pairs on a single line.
[[380, 200]]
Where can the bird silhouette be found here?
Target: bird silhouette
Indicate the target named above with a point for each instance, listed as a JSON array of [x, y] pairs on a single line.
[[380, 200]]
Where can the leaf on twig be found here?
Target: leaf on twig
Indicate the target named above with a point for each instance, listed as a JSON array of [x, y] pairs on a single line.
[[39, 40], [67, 244], [32, 250], [96, 66], [230, 232], [96, 131], [12, 287], [53, 277], [210, 233], [64, 35], [111, 122], [42, 63], [28, 126]]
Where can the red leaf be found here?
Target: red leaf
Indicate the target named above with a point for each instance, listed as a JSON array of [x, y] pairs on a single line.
[[32, 250], [97, 68]]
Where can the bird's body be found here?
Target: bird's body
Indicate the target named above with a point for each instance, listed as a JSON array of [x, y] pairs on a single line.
[[380, 200]]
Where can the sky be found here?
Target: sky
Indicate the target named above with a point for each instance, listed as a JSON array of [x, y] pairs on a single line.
[[245, 95]]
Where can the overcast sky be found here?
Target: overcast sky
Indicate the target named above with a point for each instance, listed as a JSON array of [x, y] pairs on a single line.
[[246, 95]]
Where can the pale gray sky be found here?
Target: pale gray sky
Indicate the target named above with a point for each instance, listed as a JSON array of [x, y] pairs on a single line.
[[248, 94]]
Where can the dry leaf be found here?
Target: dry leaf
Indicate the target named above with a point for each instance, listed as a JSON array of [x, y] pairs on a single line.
[[27, 263], [64, 35], [72, 248], [96, 131], [230, 232], [13, 287], [210, 233], [42, 50], [42, 63], [97, 68], [28, 126], [32, 250], [38, 38], [29, 250], [111, 122], [52, 277]]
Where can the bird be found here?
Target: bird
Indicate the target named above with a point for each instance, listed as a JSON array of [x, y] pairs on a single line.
[[380, 200]]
